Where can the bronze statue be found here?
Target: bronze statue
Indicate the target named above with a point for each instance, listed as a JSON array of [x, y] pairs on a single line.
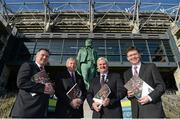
[[86, 62]]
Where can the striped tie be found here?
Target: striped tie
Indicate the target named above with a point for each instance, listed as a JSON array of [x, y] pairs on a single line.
[[135, 71]]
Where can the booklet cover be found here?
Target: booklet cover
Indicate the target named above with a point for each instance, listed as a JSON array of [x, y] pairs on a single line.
[[102, 94], [74, 92], [138, 86], [41, 77]]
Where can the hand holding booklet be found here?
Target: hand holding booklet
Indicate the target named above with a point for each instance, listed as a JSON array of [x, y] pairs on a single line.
[[139, 87], [40, 77], [102, 94], [74, 92]]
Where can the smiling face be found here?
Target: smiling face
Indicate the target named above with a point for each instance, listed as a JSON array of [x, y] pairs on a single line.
[[133, 57], [102, 66], [42, 57]]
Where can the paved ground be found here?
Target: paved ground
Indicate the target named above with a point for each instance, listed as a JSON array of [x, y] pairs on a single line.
[[125, 107], [87, 110]]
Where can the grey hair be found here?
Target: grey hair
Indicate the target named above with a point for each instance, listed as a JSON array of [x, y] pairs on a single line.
[[70, 59], [102, 58]]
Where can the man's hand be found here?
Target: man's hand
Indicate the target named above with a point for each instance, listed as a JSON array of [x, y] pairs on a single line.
[[48, 89], [96, 106], [106, 102], [143, 100], [76, 103]]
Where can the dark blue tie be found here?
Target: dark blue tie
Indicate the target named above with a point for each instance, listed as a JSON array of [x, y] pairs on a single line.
[[72, 78], [102, 79]]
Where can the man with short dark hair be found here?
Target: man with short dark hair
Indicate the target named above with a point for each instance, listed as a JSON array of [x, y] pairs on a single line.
[[32, 98], [148, 106]]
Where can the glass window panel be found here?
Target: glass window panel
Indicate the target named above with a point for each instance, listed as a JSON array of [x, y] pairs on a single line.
[[145, 58], [155, 47], [141, 45], [171, 58], [168, 51], [54, 59], [112, 47], [30, 45], [156, 50], [42, 44], [167, 47], [124, 58], [55, 46], [70, 46], [99, 46], [113, 58], [124, 44], [158, 58], [81, 43]]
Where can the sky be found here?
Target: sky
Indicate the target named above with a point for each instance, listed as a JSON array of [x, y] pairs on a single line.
[[160, 6]]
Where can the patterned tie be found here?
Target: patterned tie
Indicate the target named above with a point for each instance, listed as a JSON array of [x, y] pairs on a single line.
[[135, 71], [102, 82]]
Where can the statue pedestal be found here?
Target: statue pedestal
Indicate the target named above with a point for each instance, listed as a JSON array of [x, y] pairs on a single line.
[[171, 105], [177, 79]]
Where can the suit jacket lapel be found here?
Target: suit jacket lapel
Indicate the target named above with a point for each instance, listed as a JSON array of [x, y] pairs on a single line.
[[98, 81], [129, 73], [141, 71]]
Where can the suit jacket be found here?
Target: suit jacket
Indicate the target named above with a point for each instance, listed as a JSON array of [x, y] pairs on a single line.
[[62, 86], [27, 105], [150, 74], [118, 92]]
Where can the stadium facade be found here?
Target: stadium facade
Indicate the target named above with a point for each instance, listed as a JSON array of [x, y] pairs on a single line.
[[62, 27]]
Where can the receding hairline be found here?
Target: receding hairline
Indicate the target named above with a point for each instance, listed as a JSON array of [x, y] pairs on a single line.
[[102, 58], [43, 49]]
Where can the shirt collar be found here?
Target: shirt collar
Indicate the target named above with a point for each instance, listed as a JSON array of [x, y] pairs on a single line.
[[39, 65], [71, 72], [137, 65]]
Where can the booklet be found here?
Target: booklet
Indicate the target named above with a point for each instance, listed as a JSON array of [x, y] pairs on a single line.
[[138, 86], [41, 77], [102, 94], [74, 92]]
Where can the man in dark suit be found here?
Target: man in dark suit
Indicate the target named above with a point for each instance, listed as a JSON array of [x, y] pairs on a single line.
[[32, 98], [66, 107], [148, 106], [110, 106]]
